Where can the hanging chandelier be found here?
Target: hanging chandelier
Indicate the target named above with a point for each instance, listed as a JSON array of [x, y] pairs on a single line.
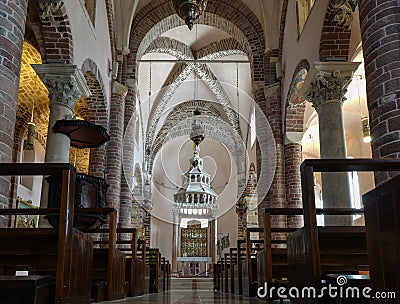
[[189, 10]]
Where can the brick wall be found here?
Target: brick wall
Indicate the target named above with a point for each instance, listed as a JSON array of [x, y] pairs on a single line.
[[115, 146], [293, 182], [97, 113], [379, 21], [57, 37], [12, 28]]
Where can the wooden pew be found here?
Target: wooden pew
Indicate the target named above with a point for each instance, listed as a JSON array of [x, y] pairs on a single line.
[[64, 251], [240, 256], [109, 263], [382, 219], [166, 268], [272, 266], [232, 264], [249, 265], [217, 273], [153, 259], [315, 251], [145, 268]]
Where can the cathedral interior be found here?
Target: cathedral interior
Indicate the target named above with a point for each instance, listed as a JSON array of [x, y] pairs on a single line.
[[198, 151]]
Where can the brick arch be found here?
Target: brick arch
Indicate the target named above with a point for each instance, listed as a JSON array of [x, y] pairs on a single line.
[[295, 103], [224, 14], [96, 113], [57, 36], [181, 51], [336, 32]]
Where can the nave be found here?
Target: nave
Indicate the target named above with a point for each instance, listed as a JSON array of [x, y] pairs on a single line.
[[190, 290]]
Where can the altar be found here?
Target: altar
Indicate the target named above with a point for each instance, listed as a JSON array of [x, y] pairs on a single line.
[[191, 266]]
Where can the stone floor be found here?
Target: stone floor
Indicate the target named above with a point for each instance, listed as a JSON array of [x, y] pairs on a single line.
[[189, 296]]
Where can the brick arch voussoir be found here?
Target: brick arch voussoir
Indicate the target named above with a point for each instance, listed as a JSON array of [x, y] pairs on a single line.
[[335, 38], [234, 12], [57, 36], [96, 103], [170, 46]]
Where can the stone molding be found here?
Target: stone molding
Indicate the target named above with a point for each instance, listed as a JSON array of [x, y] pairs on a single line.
[[119, 89], [293, 137], [328, 81]]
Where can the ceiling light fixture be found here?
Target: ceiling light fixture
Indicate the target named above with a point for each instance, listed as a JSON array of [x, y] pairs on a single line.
[[189, 10]]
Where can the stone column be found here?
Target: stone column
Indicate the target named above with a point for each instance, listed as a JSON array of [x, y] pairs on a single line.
[[380, 39], [115, 145], [12, 29], [65, 84], [175, 241], [293, 160], [325, 86]]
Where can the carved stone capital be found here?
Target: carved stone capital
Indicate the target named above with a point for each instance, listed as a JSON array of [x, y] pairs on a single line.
[[65, 83], [119, 89], [48, 7], [62, 90], [341, 12], [328, 81]]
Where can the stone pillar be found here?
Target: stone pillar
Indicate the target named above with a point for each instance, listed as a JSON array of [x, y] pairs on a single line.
[[65, 84], [175, 242], [115, 145], [325, 86], [379, 21], [293, 160], [12, 29]]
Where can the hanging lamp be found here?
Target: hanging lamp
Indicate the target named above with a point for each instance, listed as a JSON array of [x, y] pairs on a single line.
[[189, 10]]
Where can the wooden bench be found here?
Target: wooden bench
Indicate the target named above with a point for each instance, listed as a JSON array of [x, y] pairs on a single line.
[[272, 265], [314, 252], [109, 263], [144, 267], [382, 219], [64, 252], [240, 256], [249, 265], [156, 273]]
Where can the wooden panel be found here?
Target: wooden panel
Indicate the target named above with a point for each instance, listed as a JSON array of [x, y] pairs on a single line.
[[382, 218]]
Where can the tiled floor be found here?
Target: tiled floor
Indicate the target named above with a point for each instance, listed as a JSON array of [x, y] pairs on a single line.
[[189, 296]]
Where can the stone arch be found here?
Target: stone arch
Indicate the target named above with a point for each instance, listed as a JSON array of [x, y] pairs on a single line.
[[295, 103], [336, 31], [57, 36], [96, 113], [181, 51], [232, 16]]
